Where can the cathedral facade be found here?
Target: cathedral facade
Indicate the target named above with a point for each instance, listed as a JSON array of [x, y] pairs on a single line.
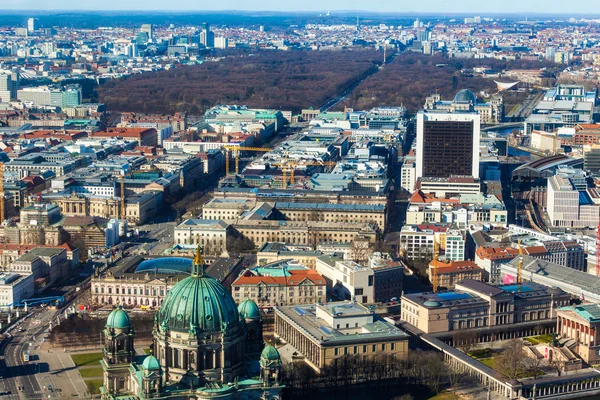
[[202, 348]]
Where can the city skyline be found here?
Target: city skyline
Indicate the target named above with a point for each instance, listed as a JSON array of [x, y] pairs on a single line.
[[435, 6]]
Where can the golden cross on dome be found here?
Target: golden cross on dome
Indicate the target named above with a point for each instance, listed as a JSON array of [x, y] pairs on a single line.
[[198, 267]]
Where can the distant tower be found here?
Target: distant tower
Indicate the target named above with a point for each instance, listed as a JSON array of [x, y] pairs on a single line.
[[447, 142], [207, 37], [32, 25], [149, 30], [357, 23]]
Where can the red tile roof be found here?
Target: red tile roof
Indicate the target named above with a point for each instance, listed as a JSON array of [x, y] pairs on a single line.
[[296, 278], [420, 197], [454, 266], [497, 253]]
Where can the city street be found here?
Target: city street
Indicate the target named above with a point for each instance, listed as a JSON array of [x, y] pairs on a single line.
[[48, 374], [19, 376]]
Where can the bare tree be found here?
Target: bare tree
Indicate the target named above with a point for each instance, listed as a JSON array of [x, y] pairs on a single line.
[[435, 369], [456, 379], [512, 361], [465, 339], [359, 250], [557, 366], [534, 365]]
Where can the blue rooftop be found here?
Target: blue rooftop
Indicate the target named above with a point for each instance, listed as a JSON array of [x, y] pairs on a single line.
[[448, 296], [517, 288], [166, 265]]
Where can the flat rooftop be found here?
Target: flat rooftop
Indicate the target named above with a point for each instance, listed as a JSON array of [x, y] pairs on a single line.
[[328, 207], [305, 319]]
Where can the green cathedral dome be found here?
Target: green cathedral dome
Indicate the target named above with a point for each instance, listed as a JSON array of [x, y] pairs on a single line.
[[118, 319], [151, 363], [198, 303], [248, 310], [270, 356]]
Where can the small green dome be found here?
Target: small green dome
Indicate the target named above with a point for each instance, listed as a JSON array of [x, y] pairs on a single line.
[[198, 303], [151, 363], [248, 310], [270, 356], [118, 319]]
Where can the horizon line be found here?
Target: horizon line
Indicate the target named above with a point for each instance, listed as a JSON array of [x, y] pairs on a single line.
[[171, 11]]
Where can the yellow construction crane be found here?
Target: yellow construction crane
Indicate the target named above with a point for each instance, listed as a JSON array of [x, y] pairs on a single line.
[[1, 192], [236, 153], [434, 273], [290, 166], [520, 264]]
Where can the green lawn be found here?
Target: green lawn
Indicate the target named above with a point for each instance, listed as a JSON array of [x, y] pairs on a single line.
[[86, 359], [482, 353], [547, 338], [91, 372], [93, 385], [533, 340], [488, 361]]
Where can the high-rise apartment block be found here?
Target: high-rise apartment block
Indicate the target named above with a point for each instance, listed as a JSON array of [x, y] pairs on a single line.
[[9, 83], [570, 202], [51, 96], [447, 144], [207, 37], [148, 29], [32, 25], [221, 42]]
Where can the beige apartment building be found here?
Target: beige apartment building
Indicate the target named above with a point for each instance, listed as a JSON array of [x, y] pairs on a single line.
[[324, 333], [82, 206], [226, 208], [132, 290], [336, 213], [304, 232], [211, 234], [297, 287], [138, 208]]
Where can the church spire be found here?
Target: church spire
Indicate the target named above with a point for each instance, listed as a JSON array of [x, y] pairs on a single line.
[[198, 266]]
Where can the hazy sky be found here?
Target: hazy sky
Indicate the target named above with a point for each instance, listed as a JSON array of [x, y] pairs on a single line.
[[437, 6]]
